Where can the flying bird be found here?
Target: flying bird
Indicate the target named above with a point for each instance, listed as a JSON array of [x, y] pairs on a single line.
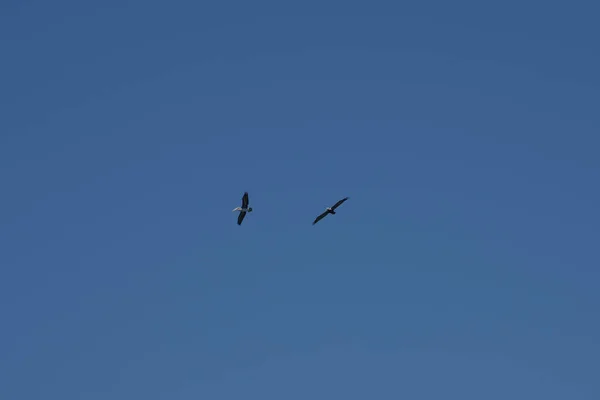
[[330, 210], [243, 209]]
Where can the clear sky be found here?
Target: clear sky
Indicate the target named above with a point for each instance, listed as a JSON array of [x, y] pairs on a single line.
[[464, 266]]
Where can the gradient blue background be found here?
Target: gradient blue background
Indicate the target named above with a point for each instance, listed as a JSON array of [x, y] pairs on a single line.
[[464, 266]]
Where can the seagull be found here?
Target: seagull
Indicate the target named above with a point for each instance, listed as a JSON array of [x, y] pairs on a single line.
[[330, 210], [243, 209]]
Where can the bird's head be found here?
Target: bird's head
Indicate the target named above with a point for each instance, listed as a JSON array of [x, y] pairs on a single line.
[[249, 209]]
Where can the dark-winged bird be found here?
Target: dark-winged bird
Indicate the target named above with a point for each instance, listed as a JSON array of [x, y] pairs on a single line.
[[330, 210], [243, 209]]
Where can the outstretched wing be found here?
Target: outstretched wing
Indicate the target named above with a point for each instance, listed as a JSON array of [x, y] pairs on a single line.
[[241, 217], [336, 205], [245, 200], [320, 217]]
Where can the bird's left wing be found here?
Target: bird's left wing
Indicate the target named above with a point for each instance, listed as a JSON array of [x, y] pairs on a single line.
[[320, 217], [241, 217]]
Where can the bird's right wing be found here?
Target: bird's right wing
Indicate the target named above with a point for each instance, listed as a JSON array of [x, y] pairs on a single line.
[[241, 217], [245, 200], [336, 205], [320, 217]]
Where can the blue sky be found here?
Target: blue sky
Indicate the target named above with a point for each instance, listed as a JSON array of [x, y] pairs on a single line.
[[464, 265]]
